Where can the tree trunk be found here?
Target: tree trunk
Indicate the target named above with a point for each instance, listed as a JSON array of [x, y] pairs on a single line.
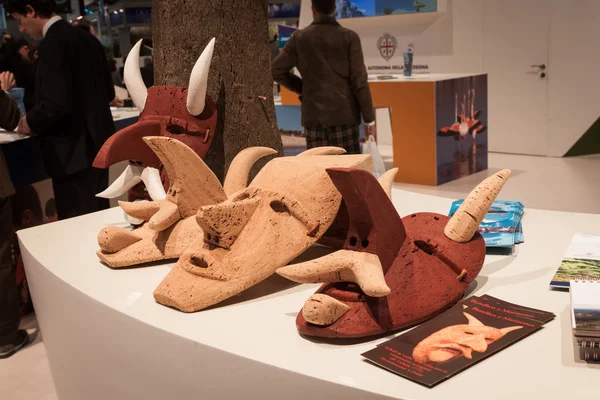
[[240, 78]]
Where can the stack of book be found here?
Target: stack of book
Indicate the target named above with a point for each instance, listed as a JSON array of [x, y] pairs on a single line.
[[471, 331], [581, 261], [585, 318], [501, 227]]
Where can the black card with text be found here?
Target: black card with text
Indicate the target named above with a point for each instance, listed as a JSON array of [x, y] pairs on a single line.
[[467, 333]]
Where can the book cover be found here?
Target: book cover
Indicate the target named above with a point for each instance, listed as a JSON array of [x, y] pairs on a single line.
[[581, 261], [585, 308], [453, 341]]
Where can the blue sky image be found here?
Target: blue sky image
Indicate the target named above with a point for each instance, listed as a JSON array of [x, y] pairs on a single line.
[[403, 6], [367, 6]]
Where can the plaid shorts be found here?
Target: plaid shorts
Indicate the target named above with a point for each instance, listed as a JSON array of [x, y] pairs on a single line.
[[345, 136]]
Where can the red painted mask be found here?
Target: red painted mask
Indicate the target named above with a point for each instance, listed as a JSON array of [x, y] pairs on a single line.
[[392, 273], [185, 114]]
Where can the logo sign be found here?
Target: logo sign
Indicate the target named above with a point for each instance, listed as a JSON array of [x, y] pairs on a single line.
[[387, 45]]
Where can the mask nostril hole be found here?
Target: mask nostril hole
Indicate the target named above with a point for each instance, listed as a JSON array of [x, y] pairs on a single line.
[[199, 262], [365, 243], [353, 241], [175, 129], [279, 207]]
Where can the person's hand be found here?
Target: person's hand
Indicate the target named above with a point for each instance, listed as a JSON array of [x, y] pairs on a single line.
[[371, 130], [23, 127], [117, 102], [7, 81]]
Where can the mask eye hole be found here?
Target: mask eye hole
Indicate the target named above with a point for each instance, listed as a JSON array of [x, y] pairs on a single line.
[[175, 129], [279, 207]]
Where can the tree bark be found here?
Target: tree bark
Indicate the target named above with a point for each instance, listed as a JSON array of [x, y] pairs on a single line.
[[240, 78]]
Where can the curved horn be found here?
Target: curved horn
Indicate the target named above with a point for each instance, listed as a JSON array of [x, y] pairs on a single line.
[[472, 320], [193, 184], [364, 269], [154, 185], [167, 215], [131, 176], [143, 210], [386, 180], [465, 222], [323, 151], [237, 176], [133, 77], [199, 80]]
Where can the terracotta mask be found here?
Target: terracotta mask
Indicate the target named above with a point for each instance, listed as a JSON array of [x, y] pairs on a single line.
[[172, 225], [188, 115], [457, 341], [286, 209], [392, 273]]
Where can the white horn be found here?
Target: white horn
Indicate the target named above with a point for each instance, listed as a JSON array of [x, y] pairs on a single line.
[[128, 179], [199, 80], [133, 78], [151, 178]]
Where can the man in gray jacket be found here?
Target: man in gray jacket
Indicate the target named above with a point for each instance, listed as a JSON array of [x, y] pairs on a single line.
[[334, 88], [11, 338]]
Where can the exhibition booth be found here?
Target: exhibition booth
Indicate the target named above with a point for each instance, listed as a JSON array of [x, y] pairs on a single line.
[[316, 276], [438, 124]]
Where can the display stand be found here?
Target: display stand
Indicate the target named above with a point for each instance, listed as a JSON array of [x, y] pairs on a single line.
[[435, 139], [106, 338]]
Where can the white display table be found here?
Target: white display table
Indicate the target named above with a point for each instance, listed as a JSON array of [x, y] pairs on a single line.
[[106, 338]]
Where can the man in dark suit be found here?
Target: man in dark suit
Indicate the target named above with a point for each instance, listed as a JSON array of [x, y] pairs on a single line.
[[11, 338], [334, 89], [71, 113]]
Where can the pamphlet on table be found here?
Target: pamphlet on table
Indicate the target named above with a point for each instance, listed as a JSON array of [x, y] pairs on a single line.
[[581, 261], [471, 331]]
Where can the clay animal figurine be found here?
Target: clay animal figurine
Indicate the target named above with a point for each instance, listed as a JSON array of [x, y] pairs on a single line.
[[286, 209], [188, 115], [392, 273], [172, 225], [454, 342]]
